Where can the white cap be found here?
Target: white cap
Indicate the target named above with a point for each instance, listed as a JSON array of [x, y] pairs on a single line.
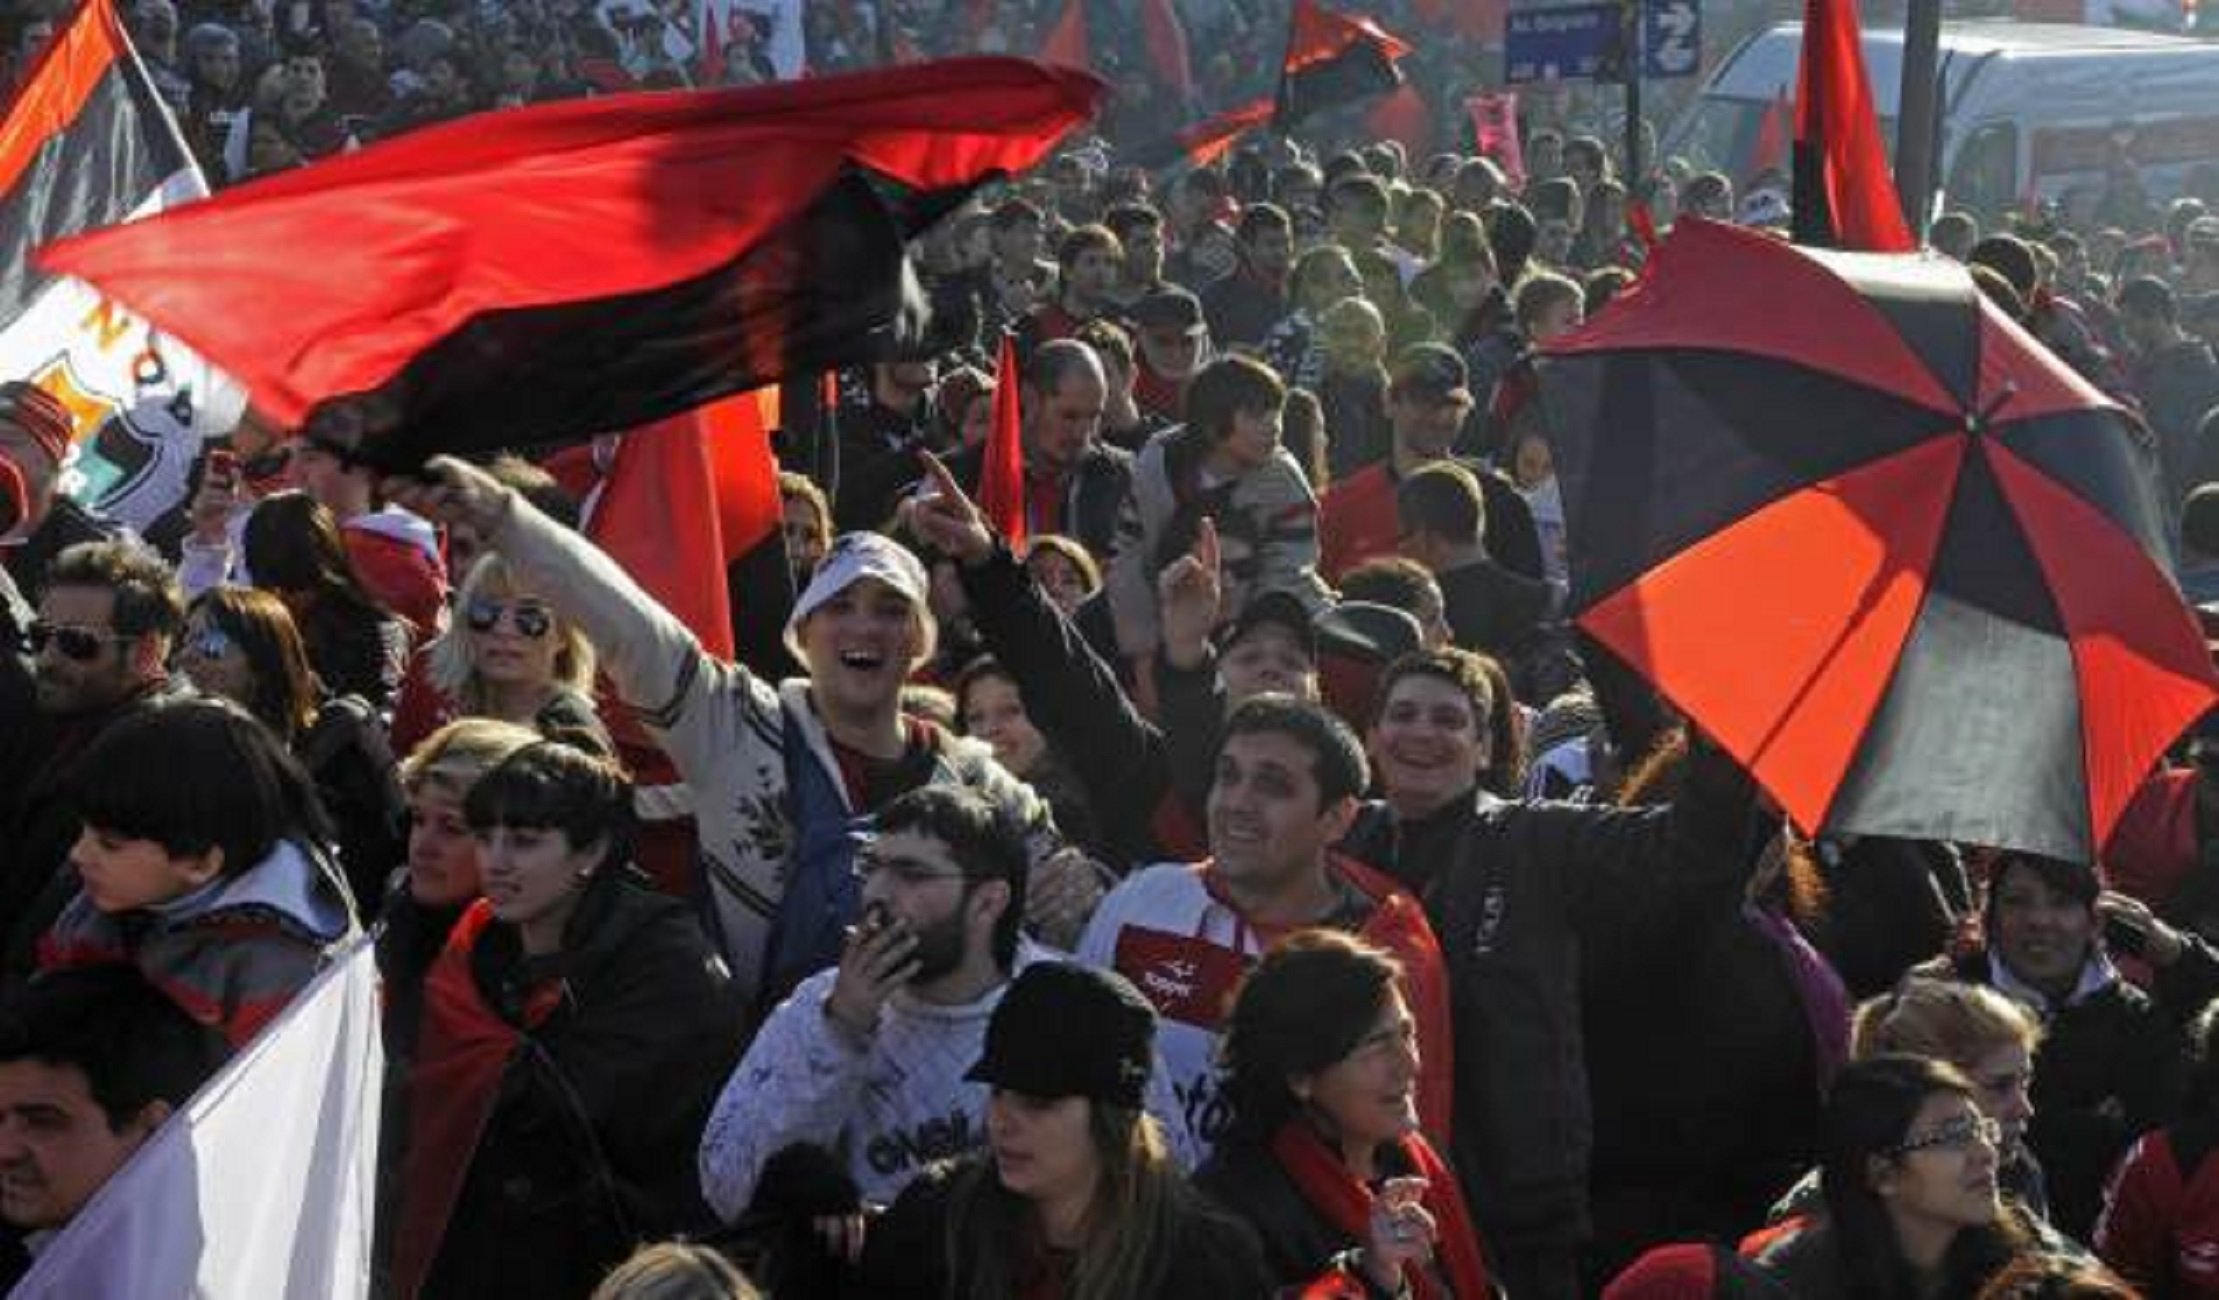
[[853, 557]]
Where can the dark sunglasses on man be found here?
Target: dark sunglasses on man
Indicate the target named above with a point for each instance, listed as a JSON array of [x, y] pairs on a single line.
[[530, 618], [79, 643]]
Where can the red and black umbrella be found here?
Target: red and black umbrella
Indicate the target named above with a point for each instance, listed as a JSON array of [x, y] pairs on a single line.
[[1868, 533]]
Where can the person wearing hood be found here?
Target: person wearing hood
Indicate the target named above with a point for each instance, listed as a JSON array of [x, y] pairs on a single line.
[[205, 861]]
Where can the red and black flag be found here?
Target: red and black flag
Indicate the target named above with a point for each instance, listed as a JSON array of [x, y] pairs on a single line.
[[1332, 59], [88, 143], [549, 273], [1206, 141], [1844, 197]]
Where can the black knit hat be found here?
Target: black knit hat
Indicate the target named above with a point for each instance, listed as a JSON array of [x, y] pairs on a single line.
[[1066, 1030]]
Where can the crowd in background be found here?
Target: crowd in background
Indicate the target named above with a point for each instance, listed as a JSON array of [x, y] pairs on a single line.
[[1247, 882]]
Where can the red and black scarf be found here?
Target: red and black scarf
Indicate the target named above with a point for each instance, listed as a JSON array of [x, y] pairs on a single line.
[[1345, 1202]]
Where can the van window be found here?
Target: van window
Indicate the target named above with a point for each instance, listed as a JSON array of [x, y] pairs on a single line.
[[1984, 176]]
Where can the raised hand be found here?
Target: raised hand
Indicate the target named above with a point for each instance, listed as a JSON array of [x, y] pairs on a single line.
[[1188, 595], [945, 519], [451, 491]]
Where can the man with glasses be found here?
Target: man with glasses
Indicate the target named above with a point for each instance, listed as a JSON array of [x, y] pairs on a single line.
[[865, 1062], [100, 649]]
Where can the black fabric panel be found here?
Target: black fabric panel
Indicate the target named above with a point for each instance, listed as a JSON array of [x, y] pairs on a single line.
[[831, 288], [93, 172], [1358, 71], [2100, 457], [1658, 450], [1931, 302], [1978, 737], [1812, 215]]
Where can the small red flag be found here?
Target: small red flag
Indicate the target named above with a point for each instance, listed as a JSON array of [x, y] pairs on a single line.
[[1495, 132], [1844, 196], [686, 497], [1066, 44], [1002, 483]]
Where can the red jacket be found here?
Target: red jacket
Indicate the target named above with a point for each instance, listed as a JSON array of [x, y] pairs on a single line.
[[1358, 519], [2160, 1226]]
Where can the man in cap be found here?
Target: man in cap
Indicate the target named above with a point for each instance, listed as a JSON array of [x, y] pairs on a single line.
[[1428, 402], [35, 433], [866, 1061], [1287, 780], [777, 772], [1174, 344]]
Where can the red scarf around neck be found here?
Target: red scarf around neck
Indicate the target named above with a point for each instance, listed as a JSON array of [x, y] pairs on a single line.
[[1345, 1202]]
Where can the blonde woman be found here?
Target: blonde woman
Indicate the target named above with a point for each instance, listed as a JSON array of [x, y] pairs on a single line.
[[508, 655]]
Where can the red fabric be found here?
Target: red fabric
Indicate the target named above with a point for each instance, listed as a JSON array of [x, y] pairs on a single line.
[[392, 249], [2155, 844], [2143, 667], [1805, 682], [402, 575], [1682, 1271], [1405, 117], [1002, 482], [1763, 1239], [685, 498], [1316, 34], [1838, 132], [1358, 519], [1166, 39], [2160, 1227], [1717, 286], [1066, 43], [1495, 132], [1207, 141], [464, 1049], [1345, 1202], [58, 85], [1398, 926]]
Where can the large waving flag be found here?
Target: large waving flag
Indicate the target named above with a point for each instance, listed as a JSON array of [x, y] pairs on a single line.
[[1332, 59], [264, 1184], [554, 272], [88, 143], [1844, 195]]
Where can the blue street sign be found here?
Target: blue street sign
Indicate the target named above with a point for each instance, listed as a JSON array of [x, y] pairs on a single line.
[[1672, 38], [1567, 43], [1582, 42]]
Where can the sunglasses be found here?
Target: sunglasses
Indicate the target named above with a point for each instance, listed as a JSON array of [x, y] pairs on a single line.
[[1956, 1135], [530, 618], [79, 643]]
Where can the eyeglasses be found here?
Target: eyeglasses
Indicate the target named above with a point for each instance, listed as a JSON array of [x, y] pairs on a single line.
[[529, 617], [79, 643], [1957, 1135], [906, 871]]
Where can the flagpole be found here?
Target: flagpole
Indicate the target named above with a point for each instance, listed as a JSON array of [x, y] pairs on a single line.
[[1630, 43], [1916, 104]]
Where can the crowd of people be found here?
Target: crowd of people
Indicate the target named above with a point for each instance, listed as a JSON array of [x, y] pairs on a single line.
[[1246, 883]]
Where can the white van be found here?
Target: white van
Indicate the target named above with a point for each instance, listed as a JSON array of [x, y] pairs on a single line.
[[2028, 110]]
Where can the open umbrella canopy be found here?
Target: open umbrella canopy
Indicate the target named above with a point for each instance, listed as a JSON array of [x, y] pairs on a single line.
[[1869, 534]]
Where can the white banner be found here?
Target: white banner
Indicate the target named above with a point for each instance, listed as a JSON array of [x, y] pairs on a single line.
[[264, 1186]]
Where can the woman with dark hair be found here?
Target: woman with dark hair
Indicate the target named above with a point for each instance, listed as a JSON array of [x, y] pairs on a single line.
[[1076, 1196], [293, 547], [1325, 1160], [240, 643], [989, 707], [1908, 1169], [204, 861], [575, 1029]]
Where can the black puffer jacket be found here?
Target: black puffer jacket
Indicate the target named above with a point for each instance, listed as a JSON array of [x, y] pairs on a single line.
[[1513, 895], [590, 1146]]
